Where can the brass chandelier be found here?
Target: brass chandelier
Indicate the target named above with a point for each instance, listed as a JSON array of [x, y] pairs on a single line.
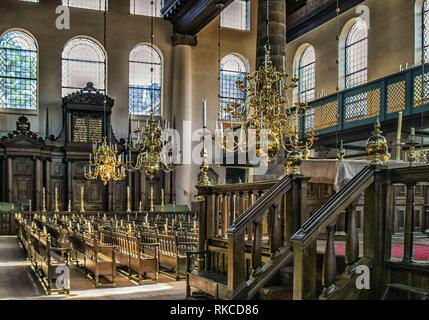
[[151, 140], [104, 162], [151, 156], [267, 110]]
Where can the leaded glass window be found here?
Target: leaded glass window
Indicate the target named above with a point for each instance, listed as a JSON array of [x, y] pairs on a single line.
[[232, 69], [236, 15], [357, 54], [18, 71], [83, 61], [144, 7], [145, 81], [100, 5], [426, 30], [306, 75]]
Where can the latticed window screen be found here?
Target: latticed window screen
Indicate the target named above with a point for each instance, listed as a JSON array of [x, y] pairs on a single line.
[[145, 81], [100, 5], [236, 15], [357, 54], [18, 71], [144, 7], [426, 30], [232, 69], [83, 61]]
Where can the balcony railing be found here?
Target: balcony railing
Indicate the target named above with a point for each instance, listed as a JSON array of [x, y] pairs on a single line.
[[406, 91]]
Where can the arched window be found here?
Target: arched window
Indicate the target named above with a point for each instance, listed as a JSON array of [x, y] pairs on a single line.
[[144, 7], [83, 61], [306, 75], [100, 5], [425, 38], [236, 15], [232, 69], [145, 80], [356, 54], [18, 71]]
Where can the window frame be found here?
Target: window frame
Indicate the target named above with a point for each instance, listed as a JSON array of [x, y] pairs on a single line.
[[103, 50], [244, 61], [161, 59], [347, 47], [106, 6], [301, 67], [248, 18], [19, 110]]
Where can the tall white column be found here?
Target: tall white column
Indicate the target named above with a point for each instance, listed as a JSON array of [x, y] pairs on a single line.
[[182, 110]]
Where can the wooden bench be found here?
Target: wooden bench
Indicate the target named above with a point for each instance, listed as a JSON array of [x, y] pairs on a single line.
[[129, 254], [94, 257], [46, 260], [172, 252]]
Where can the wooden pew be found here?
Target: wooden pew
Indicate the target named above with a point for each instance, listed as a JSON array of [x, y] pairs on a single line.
[[172, 251], [129, 253], [94, 257]]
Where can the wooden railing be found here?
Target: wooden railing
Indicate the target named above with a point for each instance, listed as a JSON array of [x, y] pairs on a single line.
[[259, 219], [377, 185], [361, 105]]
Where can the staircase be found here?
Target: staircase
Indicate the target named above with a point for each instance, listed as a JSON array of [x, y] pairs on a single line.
[[268, 253]]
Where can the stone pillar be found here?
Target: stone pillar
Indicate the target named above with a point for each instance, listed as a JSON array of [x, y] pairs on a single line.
[[277, 30], [182, 110]]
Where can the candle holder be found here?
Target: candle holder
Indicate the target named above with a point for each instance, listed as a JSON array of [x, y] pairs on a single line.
[[203, 178], [412, 154], [43, 200], [128, 200], [341, 153], [82, 202], [151, 198], [162, 201], [57, 209]]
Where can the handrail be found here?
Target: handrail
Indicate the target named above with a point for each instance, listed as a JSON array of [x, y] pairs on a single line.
[[257, 210], [238, 187], [335, 206]]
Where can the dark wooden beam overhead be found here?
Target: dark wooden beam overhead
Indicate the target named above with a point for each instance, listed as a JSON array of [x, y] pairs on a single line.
[[190, 16], [315, 18]]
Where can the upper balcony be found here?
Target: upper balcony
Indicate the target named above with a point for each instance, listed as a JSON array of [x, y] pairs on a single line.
[[351, 114]]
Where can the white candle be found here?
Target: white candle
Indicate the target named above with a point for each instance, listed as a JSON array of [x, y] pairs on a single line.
[[205, 113], [398, 137], [413, 131]]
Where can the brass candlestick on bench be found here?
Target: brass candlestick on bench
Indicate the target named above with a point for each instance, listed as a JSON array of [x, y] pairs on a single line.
[[152, 209], [43, 199], [57, 209], [82, 203]]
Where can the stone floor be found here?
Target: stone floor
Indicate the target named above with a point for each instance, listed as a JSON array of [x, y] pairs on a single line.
[[17, 281]]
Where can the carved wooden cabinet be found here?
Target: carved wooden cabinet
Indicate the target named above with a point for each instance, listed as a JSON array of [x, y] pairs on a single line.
[[31, 163]]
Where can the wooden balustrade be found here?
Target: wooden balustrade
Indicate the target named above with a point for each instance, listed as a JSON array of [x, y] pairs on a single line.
[[256, 217], [377, 186]]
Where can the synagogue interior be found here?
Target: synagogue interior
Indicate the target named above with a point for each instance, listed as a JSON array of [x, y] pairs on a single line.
[[214, 150]]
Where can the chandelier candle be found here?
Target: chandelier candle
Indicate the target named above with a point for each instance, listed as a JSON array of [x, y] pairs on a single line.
[[205, 113], [398, 137]]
